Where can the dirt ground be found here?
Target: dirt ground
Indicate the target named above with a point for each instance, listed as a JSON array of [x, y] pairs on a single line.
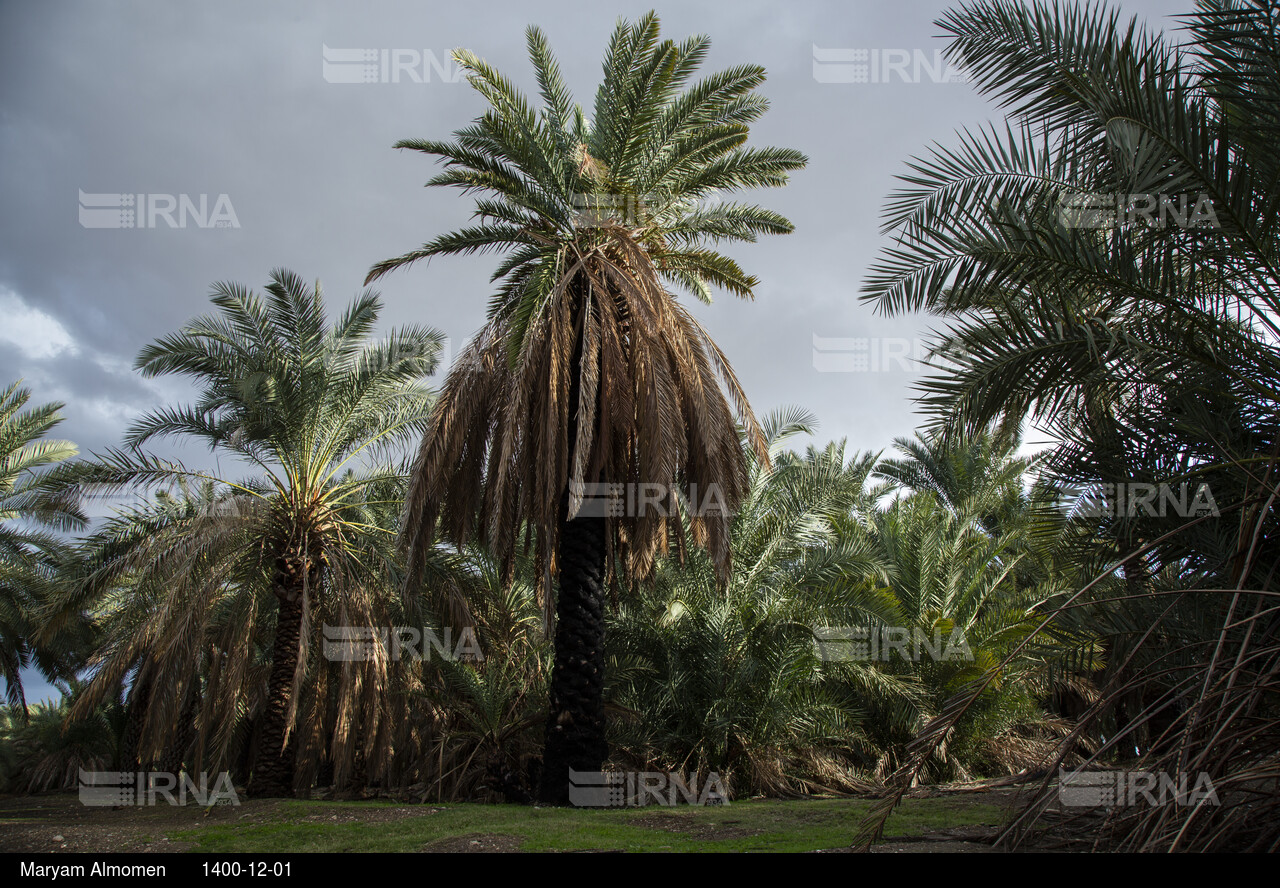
[[60, 823]]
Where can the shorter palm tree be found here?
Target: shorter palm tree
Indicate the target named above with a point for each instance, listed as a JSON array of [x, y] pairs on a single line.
[[223, 587], [727, 677], [30, 549], [46, 749]]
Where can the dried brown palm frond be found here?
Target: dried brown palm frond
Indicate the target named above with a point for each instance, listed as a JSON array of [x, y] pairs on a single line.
[[1218, 733], [1028, 748], [650, 410]]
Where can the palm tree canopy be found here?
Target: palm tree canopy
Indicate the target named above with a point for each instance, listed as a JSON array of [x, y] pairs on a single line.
[[589, 369], [313, 412]]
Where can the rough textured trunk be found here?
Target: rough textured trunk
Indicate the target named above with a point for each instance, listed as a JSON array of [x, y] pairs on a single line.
[[324, 774], [357, 779], [130, 744], [1134, 735], [273, 766], [178, 747], [575, 736]]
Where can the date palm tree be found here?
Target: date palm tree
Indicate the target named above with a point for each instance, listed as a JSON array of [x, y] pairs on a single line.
[[1109, 265], [589, 371], [311, 411]]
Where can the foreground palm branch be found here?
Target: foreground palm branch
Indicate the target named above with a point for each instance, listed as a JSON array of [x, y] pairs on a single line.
[[1110, 263]]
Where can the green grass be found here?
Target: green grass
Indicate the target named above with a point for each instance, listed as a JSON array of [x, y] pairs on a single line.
[[742, 826]]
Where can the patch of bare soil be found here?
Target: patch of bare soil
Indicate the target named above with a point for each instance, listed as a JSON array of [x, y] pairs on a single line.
[[473, 843], [926, 847], [368, 815], [957, 840], [58, 822], [970, 795], [974, 839], [675, 823]]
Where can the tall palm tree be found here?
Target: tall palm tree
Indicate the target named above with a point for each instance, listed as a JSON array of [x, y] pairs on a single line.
[[310, 410], [589, 370], [30, 549]]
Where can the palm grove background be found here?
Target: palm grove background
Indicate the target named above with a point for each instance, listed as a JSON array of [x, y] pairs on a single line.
[[184, 629]]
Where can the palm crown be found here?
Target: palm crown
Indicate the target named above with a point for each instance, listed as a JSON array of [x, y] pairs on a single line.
[[588, 368]]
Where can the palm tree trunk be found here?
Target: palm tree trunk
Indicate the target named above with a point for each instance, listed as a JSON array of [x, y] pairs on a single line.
[[139, 699], [177, 749], [575, 736], [273, 767], [357, 779]]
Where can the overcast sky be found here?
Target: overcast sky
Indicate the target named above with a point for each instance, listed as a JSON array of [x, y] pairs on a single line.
[[167, 100]]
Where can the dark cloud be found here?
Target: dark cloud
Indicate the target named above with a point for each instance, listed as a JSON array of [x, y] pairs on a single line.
[[230, 98]]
